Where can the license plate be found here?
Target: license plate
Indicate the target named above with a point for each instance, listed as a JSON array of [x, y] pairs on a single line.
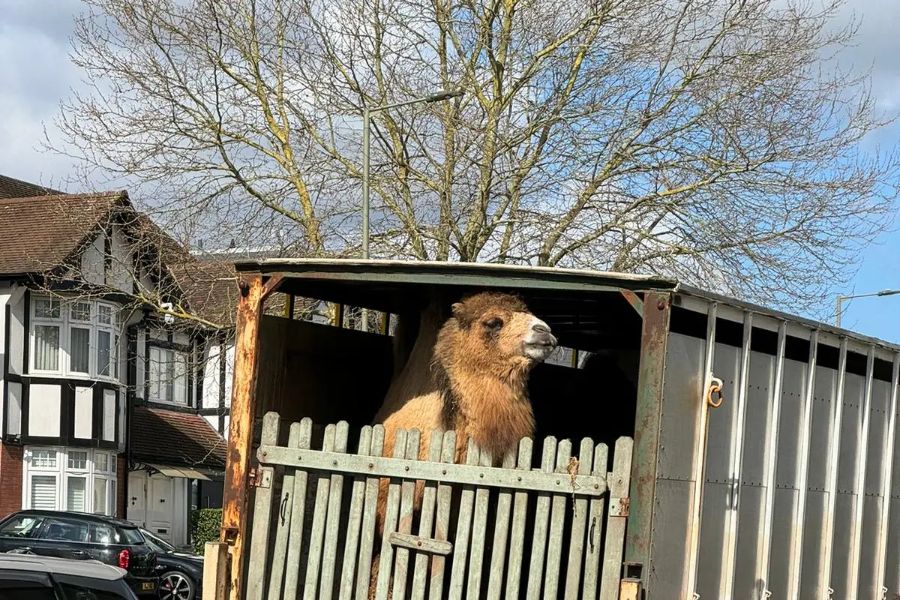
[[148, 586]]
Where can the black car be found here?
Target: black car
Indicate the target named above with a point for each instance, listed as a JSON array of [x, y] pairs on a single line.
[[44, 578], [180, 573], [83, 536]]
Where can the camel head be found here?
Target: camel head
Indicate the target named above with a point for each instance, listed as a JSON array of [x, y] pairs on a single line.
[[498, 331]]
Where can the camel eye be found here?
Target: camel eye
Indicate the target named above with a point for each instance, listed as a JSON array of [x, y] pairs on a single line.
[[495, 323]]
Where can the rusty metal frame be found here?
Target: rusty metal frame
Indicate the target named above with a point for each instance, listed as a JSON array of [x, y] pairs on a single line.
[[254, 290], [634, 300], [654, 337]]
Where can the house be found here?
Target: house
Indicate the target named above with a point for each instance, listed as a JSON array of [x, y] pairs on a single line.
[[104, 346]]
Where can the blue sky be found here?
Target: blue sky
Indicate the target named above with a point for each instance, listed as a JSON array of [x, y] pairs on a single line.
[[34, 43]]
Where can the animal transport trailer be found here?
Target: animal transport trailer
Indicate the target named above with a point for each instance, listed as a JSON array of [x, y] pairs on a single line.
[[689, 446]]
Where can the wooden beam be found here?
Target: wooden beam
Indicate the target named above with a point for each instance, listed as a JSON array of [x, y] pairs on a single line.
[[240, 432]]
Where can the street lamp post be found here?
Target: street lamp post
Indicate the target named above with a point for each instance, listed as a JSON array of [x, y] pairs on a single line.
[[839, 301], [367, 116]]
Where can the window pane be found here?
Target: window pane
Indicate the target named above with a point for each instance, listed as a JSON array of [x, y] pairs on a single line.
[[104, 314], [115, 357], [43, 492], [111, 503], [46, 308], [75, 496], [100, 495], [77, 459], [102, 534], [112, 463], [81, 311], [103, 352], [20, 527], [43, 459], [101, 460], [46, 347], [179, 382], [64, 529], [80, 350]]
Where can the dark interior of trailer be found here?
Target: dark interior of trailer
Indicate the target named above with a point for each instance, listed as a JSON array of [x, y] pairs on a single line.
[[331, 373]]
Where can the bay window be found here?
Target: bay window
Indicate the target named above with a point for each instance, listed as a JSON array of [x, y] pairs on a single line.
[[76, 338], [82, 480]]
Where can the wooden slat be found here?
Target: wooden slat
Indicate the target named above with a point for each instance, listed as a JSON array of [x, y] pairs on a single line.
[[463, 531], [332, 523], [542, 516], [354, 520], [619, 481], [442, 519], [501, 535], [317, 533], [392, 512], [215, 570], [404, 525], [517, 537], [262, 514], [426, 519], [479, 527], [367, 533], [557, 524], [283, 523], [298, 501], [595, 529], [579, 523]]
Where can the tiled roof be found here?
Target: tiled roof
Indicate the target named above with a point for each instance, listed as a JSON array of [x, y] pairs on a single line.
[[210, 289], [175, 438], [40, 232], [16, 188]]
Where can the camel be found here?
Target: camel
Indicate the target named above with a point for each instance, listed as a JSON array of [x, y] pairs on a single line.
[[469, 374]]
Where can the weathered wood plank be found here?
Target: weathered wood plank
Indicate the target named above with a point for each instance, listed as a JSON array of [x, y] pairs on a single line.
[[421, 544], [479, 529], [354, 521], [215, 570], [262, 516], [579, 523], [404, 525], [557, 524], [520, 511], [426, 522], [615, 525], [463, 531], [332, 522], [317, 531], [442, 519], [392, 512], [283, 523], [542, 516], [501, 535], [367, 533], [595, 530], [298, 510]]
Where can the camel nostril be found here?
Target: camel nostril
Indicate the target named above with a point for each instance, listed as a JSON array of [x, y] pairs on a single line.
[[541, 328]]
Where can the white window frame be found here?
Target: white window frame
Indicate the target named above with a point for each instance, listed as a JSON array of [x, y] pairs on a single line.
[[162, 373], [65, 323], [61, 473]]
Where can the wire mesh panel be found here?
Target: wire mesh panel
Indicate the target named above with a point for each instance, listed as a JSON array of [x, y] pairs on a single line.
[[491, 527]]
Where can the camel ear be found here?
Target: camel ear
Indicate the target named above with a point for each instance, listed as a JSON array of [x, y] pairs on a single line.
[[459, 313]]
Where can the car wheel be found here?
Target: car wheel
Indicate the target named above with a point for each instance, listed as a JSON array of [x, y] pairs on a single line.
[[174, 585]]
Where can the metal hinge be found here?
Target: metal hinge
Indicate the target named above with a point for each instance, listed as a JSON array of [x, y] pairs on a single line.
[[619, 507], [260, 477]]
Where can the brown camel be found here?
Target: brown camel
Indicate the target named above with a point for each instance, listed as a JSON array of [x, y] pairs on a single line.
[[469, 375]]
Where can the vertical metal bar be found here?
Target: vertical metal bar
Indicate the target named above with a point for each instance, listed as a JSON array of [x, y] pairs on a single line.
[[332, 522], [595, 528], [365, 183], [367, 533], [799, 518], [834, 435], [859, 485], [579, 523], [354, 520], [240, 428], [262, 517], [886, 476], [736, 454], [517, 538], [541, 518], [289, 306], [648, 414], [385, 323], [557, 523], [295, 550], [764, 547], [699, 461]]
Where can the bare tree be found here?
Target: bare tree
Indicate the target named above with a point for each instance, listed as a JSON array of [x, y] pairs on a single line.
[[715, 141]]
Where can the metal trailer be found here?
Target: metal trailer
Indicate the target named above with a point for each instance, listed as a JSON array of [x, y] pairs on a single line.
[[762, 465]]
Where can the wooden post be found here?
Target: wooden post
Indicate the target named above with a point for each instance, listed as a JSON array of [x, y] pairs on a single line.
[[215, 572], [240, 432]]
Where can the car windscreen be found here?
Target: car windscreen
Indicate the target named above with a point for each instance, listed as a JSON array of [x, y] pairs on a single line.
[[88, 588], [157, 544], [130, 536]]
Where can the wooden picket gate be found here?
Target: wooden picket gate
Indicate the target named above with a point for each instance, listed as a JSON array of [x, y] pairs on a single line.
[[481, 531]]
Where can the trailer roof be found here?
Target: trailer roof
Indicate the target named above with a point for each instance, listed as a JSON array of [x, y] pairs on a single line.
[[389, 285]]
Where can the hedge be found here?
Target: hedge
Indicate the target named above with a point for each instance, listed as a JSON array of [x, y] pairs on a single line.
[[205, 525]]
